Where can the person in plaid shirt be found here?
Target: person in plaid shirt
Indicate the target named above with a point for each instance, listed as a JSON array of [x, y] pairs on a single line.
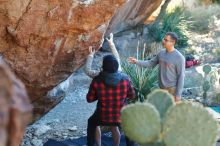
[[110, 88]]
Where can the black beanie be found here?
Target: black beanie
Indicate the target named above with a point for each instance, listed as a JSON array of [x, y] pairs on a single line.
[[110, 64]]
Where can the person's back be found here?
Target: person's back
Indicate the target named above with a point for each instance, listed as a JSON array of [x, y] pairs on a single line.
[[110, 88], [111, 91]]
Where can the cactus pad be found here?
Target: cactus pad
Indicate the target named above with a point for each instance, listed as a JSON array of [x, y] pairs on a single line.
[[153, 144], [206, 86], [188, 124], [141, 122], [207, 68], [162, 100]]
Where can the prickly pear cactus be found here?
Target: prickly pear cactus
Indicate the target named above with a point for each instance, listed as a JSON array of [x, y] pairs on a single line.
[[162, 100], [141, 122], [207, 69], [206, 86], [188, 124], [154, 144]]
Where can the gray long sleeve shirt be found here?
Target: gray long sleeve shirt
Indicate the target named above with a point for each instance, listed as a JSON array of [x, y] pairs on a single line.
[[171, 69]]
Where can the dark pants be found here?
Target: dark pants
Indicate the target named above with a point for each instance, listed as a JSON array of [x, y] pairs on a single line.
[[93, 122]]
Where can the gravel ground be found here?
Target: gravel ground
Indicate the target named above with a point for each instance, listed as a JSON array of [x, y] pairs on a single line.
[[68, 120]]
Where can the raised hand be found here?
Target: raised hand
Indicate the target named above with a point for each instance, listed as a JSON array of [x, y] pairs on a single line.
[[91, 50], [132, 60], [110, 41]]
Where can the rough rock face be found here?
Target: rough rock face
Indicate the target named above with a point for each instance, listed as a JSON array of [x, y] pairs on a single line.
[[131, 14], [44, 41], [15, 108], [127, 25]]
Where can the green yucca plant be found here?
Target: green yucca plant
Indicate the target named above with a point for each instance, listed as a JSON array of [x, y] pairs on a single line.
[[144, 80], [209, 79], [216, 1], [176, 21]]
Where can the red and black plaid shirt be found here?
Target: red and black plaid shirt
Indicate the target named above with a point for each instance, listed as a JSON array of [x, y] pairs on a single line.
[[111, 99]]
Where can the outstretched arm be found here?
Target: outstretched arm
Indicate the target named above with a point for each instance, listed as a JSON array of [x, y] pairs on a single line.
[[148, 63], [88, 67], [114, 50]]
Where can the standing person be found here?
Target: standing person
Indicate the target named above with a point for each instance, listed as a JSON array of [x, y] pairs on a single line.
[[93, 73], [110, 88], [171, 66]]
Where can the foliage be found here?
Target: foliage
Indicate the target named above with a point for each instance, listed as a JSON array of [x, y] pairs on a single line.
[[190, 119], [203, 18], [181, 21], [157, 97], [145, 114], [211, 1], [144, 80], [175, 21], [183, 124], [216, 1], [217, 98], [210, 79], [218, 55]]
